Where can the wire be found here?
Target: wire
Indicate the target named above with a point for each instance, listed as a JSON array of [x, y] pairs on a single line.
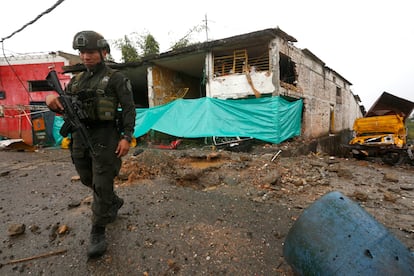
[[34, 20], [15, 73], [19, 30]]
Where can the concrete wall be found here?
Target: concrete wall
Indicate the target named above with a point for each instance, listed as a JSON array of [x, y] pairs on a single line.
[[234, 86], [324, 112], [165, 85]]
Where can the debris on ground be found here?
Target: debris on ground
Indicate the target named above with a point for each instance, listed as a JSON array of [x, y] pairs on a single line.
[[191, 210]]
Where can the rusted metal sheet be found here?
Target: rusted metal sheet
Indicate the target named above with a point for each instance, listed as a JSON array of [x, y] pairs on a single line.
[[390, 104]]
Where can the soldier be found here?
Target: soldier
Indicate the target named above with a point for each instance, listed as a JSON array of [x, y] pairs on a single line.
[[99, 91]]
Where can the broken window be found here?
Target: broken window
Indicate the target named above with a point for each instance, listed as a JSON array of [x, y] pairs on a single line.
[[338, 95], [236, 61], [39, 85], [332, 119], [287, 70]]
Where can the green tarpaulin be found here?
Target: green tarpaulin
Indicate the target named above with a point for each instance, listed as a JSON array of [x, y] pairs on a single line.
[[271, 119]]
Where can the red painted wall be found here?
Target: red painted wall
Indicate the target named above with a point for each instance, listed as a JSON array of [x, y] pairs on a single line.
[[16, 122]]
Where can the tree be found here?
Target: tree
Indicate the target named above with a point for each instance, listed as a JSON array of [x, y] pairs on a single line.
[[128, 51], [135, 46], [149, 45], [186, 40]]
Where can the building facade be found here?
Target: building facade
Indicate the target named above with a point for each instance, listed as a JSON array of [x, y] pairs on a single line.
[[23, 88]]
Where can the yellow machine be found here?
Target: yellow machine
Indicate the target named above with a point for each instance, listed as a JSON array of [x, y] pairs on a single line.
[[382, 131], [387, 130]]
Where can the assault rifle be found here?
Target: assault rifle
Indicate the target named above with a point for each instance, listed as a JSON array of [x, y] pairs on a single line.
[[72, 113]]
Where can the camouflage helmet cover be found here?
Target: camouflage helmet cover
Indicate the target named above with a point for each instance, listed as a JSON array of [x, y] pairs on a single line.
[[90, 40]]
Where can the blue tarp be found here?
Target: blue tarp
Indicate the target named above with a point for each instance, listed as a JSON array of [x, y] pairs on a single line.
[[271, 119]]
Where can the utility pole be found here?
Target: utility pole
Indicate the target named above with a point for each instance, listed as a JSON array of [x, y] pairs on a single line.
[[206, 26]]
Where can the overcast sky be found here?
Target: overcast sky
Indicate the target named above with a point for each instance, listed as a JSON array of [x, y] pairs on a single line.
[[369, 43]]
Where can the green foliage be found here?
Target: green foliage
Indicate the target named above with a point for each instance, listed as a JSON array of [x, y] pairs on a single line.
[[149, 45], [186, 40], [183, 42], [128, 50], [135, 46]]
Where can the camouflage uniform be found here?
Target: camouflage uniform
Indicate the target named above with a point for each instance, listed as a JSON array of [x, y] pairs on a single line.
[[98, 171]]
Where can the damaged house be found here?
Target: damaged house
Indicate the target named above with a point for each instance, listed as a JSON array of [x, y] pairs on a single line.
[[254, 65]]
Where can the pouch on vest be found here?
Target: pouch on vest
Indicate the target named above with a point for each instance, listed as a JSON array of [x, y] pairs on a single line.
[[86, 103], [105, 105], [105, 108]]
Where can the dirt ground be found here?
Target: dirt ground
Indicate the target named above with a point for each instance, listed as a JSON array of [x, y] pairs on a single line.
[[195, 210]]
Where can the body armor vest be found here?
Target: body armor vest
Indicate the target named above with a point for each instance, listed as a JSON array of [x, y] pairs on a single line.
[[95, 101]]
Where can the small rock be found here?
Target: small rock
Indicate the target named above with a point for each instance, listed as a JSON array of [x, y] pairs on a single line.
[[324, 182], [63, 229], [230, 180], [391, 177], [345, 173], [34, 228], [407, 187], [16, 229], [332, 160], [273, 178], [261, 193], [75, 178], [4, 173], [299, 182], [390, 197], [317, 163], [53, 232], [74, 204], [360, 196], [123, 176], [212, 156], [394, 189], [190, 176], [257, 199], [245, 158]]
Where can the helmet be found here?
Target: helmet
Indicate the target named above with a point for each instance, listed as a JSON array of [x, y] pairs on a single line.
[[90, 40]]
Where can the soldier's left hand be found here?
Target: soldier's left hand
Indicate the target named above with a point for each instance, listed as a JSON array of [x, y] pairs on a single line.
[[123, 148]]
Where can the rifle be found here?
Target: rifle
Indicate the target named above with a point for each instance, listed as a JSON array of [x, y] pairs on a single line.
[[72, 113]]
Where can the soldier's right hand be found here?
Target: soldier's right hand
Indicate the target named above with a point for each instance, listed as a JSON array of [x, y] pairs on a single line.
[[52, 101]]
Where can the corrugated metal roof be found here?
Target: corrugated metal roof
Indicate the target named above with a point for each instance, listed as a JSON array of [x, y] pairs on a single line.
[[390, 104]]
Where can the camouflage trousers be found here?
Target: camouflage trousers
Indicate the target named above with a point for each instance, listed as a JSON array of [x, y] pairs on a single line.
[[97, 171]]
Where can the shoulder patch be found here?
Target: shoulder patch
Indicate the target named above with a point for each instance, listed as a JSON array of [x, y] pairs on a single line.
[[128, 85]]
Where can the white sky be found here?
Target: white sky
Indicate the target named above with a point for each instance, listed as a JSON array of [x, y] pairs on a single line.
[[370, 43]]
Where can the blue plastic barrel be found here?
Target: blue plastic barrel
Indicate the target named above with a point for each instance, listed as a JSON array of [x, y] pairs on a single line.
[[335, 236]]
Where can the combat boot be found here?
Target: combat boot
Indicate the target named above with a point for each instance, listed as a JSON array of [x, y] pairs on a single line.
[[98, 245], [116, 205]]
